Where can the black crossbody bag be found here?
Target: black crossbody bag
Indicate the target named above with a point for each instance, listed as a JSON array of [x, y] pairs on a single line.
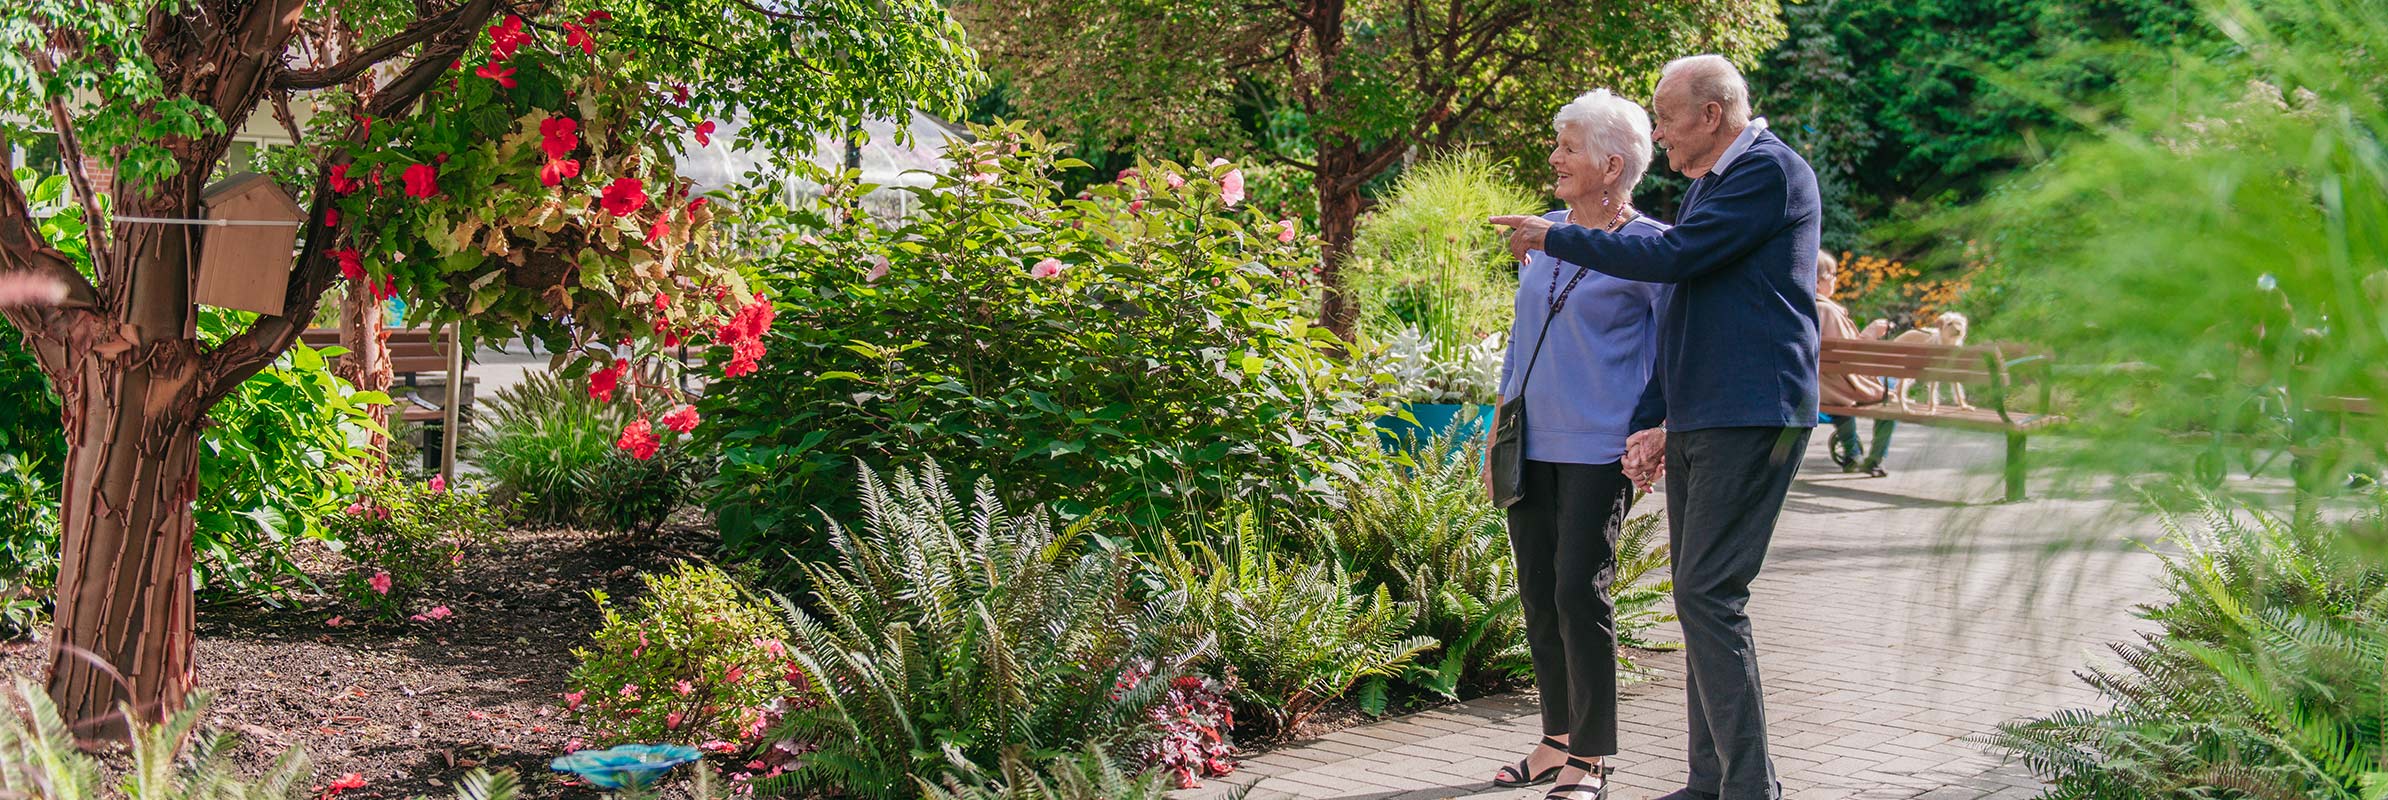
[[1506, 458]]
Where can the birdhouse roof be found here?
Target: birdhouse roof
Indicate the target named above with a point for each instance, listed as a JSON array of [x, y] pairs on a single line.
[[254, 193]]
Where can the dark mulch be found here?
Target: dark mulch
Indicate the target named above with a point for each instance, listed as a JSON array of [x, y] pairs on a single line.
[[412, 706]]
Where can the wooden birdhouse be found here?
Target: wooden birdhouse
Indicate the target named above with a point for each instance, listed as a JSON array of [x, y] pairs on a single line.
[[250, 245]]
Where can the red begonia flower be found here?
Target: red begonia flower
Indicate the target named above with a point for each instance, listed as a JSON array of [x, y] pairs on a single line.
[[504, 75], [602, 383], [682, 419], [507, 37], [341, 183], [661, 228], [578, 36], [558, 169], [352, 263], [422, 181], [331, 218], [704, 133], [624, 197], [639, 440], [595, 16], [559, 136]]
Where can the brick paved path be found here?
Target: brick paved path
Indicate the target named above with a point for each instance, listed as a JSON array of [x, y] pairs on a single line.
[[1895, 618]]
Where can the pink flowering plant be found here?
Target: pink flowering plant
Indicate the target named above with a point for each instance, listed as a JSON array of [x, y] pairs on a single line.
[[1197, 727], [1145, 347], [399, 536], [698, 660]]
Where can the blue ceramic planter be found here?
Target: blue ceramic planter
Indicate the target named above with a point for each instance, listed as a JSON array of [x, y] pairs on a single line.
[[1434, 419]]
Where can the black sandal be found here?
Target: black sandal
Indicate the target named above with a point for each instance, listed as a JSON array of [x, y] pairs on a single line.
[[1514, 776], [1600, 791]]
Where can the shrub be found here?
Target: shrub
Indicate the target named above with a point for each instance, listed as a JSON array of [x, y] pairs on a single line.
[[635, 494], [699, 661], [1294, 636], [401, 536], [1143, 348], [1426, 260], [2262, 681], [1087, 775], [551, 449], [942, 634], [28, 545], [276, 464]]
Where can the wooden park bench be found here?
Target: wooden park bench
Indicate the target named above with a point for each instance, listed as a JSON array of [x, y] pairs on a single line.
[[1991, 379], [419, 379]]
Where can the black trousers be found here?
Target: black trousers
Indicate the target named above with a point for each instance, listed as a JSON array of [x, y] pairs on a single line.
[[1725, 489], [1564, 533]]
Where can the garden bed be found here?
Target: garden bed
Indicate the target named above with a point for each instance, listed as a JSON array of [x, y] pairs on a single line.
[[413, 706]]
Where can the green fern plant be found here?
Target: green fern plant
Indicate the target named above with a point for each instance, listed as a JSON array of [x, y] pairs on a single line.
[[1295, 636], [1639, 593], [2265, 680], [1420, 525], [169, 760], [1088, 775], [942, 633]]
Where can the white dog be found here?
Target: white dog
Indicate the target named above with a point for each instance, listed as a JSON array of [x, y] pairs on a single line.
[[1951, 332]]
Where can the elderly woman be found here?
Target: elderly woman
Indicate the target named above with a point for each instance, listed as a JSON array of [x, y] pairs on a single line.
[[1583, 378]]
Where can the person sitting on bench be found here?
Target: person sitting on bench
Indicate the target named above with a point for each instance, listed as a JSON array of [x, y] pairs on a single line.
[[1833, 322]]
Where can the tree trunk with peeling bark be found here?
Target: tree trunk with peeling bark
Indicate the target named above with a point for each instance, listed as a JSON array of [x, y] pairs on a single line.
[[366, 365], [135, 385]]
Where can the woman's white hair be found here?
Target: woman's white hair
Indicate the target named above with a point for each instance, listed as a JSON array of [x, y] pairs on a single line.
[[1604, 125]]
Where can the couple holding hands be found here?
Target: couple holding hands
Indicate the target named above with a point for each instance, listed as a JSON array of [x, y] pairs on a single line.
[[1683, 353]]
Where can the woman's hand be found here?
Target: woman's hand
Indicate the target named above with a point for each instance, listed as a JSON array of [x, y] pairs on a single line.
[[1875, 330], [1646, 458]]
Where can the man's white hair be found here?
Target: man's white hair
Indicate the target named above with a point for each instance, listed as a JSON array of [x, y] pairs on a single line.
[[1709, 78], [1604, 125]]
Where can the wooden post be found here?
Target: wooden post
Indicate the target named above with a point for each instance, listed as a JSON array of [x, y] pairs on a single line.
[[452, 412]]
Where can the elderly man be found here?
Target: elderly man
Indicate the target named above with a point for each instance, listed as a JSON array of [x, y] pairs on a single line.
[[1737, 382]]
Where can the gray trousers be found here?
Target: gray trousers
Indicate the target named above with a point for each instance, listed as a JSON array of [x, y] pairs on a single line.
[[1725, 489]]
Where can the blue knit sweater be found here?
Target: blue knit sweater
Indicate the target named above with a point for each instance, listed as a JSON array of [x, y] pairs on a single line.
[[1595, 362]]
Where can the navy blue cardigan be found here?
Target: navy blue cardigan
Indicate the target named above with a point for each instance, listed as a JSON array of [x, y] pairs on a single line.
[[1737, 345]]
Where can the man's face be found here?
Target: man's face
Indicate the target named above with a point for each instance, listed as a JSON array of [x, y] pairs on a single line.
[[1688, 130]]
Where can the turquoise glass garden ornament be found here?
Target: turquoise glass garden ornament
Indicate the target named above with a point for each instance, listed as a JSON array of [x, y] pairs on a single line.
[[629, 766]]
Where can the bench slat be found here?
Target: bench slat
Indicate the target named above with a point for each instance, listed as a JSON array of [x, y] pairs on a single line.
[[1978, 418]]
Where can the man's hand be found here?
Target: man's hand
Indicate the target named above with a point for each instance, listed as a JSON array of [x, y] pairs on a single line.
[[1646, 458], [1526, 232]]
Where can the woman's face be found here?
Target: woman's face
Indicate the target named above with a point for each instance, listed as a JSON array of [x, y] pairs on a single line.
[[1581, 175]]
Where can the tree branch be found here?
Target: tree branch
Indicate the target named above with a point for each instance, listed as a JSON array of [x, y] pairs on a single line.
[[70, 150], [443, 49], [347, 69]]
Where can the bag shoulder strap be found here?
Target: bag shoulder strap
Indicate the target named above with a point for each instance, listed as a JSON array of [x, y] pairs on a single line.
[[1557, 303]]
